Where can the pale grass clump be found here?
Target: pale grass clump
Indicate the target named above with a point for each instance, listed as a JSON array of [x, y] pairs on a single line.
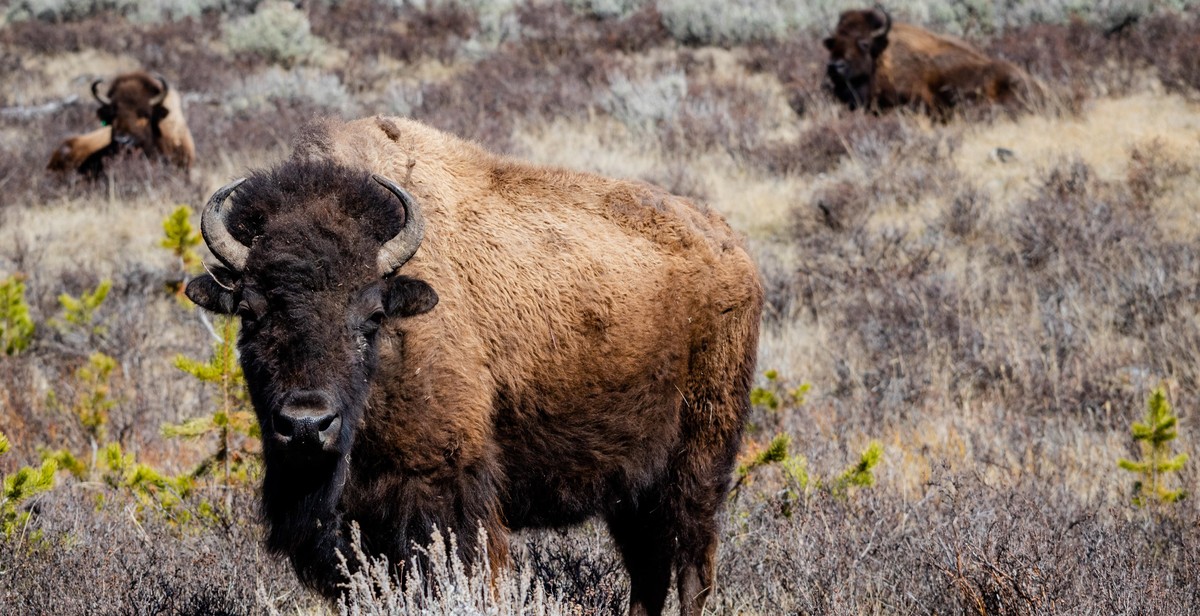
[[641, 103], [263, 90], [438, 582]]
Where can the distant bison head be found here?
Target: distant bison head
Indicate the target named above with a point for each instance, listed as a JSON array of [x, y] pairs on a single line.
[[854, 50], [134, 108]]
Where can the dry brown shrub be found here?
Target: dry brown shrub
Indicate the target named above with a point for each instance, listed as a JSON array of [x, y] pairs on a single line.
[[367, 28]]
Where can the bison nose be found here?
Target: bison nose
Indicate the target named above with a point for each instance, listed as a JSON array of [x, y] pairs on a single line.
[[307, 419], [837, 66]]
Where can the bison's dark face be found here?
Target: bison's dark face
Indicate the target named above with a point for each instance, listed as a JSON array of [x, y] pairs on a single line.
[[134, 108], [854, 50], [310, 252]]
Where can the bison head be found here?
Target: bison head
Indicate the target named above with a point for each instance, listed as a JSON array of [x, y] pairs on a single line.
[[854, 48], [134, 108], [309, 254]]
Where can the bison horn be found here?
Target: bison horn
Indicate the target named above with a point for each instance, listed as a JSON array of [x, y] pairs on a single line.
[[398, 250], [212, 226], [887, 22], [166, 87], [96, 93]]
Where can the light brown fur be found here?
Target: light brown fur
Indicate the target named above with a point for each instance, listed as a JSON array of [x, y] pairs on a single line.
[[75, 150]]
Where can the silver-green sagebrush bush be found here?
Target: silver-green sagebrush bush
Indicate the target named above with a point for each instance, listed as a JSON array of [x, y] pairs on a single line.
[[277, 31]]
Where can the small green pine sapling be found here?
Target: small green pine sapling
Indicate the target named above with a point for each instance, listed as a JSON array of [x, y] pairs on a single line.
[[181, 239], [16, 327], [772, 400], [1154, 435], [18, 488], [93, 397], [232, 422], [154, 490], [799, 482], [79, 313], [862, 474]]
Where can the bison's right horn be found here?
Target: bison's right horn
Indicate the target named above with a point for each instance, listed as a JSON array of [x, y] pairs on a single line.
[[398, 250], [212, 226], [887, 23], [96, 93]]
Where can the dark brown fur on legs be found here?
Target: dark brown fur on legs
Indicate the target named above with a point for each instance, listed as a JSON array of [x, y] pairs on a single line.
[[876, 64], [492, 343]]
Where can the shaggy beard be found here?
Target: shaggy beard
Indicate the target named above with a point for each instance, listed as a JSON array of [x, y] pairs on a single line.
[[300, 507]]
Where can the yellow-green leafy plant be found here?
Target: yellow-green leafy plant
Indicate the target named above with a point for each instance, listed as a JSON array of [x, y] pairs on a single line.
[[1154, 435], [231, 422], [18, 488], [16, 327]]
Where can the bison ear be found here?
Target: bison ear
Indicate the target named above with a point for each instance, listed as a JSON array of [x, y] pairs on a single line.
[[207, 293], [159, 112], [828, 43], [106, 113], [407, 297]]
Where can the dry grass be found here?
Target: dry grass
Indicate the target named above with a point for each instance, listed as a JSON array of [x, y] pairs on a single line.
[[992, 297]]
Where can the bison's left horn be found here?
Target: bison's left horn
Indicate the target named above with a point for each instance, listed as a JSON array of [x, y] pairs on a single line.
[[212, 226], [166, 87], [96, 93], [398, 250]]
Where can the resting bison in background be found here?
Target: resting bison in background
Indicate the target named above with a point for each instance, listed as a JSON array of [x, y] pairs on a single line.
[[140, 113], [875, 64], [436, 336]]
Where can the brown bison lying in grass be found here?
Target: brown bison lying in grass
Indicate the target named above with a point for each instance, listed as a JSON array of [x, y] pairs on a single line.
[[436, 336], [140, 113], [875, 64]]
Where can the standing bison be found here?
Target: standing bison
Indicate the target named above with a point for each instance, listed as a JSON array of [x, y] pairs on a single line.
[[435, 336], [875, 64], [140, 113]]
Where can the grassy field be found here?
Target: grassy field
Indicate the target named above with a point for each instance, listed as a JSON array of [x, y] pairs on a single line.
[[992, 299]]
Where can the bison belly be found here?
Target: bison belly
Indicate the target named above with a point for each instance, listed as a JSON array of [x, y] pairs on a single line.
[[585, 454]]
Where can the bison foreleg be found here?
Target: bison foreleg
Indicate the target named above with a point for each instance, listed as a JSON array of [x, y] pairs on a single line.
[[648, 548]]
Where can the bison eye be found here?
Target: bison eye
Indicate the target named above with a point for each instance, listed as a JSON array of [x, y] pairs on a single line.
[[245, 311], [371, 325], [252, 306]]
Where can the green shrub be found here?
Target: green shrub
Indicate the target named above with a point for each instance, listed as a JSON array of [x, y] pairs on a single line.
[[16, 327]]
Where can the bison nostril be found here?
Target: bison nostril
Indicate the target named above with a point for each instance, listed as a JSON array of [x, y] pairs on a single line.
[[306, 419]]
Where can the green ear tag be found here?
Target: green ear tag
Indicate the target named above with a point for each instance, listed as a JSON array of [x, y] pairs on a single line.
[[103, 123]]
